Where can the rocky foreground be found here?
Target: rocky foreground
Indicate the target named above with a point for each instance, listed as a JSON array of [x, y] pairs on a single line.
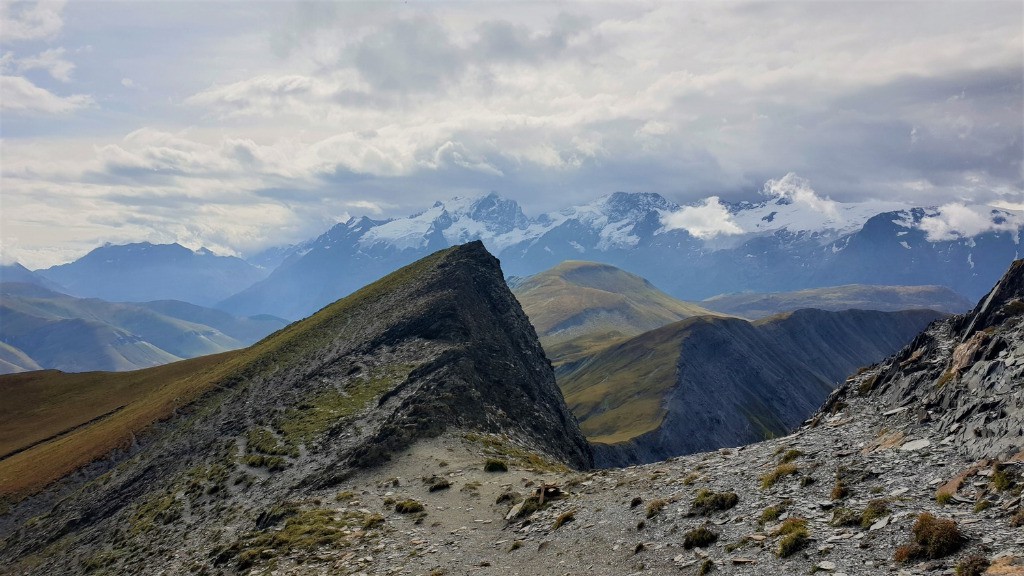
[[638, 520]]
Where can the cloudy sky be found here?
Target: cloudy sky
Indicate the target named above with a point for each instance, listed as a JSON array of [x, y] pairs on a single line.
[[241, 125]]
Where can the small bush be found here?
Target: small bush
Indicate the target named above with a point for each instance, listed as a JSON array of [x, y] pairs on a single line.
[[705, 567], [441, 484], [794, 536], [972, 566], [516, 545], [691, 478], [840, 491], [772, 513], [876, 510], [495, 465], [780, 472], [933, 538], [563, 519], [654, 507], [636, 501], [699, 537], [408, 507], [944, 498], [708, 502], [982, 505], [790, 455], [372, 521], [1001, 478]]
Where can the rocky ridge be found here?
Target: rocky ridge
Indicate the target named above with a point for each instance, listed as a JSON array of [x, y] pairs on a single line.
[[439, 347]]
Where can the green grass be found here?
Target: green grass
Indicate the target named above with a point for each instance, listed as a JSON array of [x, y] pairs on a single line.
[[502, 449], [319, 412], [794, 537], [305, 530], [780, 472]]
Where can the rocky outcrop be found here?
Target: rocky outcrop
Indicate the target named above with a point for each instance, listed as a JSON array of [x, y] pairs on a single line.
[[963, 375]]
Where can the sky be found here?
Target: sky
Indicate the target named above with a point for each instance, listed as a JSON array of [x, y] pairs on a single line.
[[243, 125]]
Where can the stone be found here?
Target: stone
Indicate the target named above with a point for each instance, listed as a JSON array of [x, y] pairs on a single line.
[[915, 445]]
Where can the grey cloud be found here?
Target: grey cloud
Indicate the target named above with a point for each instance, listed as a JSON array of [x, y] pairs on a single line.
[[411, 54]]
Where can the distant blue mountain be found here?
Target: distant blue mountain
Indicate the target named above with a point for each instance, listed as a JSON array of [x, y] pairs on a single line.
[[143, 272], [691, 252]]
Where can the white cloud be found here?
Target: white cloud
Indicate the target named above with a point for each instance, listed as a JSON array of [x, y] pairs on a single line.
[[955, 220], [22, 21], [706, 220], [127, 82], [52, 61], [20, 95], [796, 190]]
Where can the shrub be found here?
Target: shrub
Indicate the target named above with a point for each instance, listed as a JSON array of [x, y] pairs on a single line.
[[972, 566], [772, 513], [708, 502], [636, 501], [943, 498], [408, 507], [1001, 478], [441, 484], [373, 521], [705, 567], [982, 505], [495, 465], [875, 510], [933, 538], [654, 507], [790, 455], [699, 537], [840, 491], [794, 536], [781, 471]]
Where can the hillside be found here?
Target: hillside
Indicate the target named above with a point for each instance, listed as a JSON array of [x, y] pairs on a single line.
[[706, 382], [73, 334], [752, 305], [438, 347], [579, 307]]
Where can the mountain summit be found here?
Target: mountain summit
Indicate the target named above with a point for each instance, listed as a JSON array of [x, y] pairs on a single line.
[[690, 251], [440, 347]]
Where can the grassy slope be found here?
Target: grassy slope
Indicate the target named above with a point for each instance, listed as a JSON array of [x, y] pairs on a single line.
[[617, 393], [115, 406], [857, 296], [579, 308]]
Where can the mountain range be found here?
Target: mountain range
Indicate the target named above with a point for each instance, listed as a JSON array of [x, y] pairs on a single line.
[[143, 272], [775, 245], [41, 328], [784, 242], [415, 427]]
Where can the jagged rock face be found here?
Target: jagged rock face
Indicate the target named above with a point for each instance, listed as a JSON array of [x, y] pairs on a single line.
[[964, 375], [440, 346]]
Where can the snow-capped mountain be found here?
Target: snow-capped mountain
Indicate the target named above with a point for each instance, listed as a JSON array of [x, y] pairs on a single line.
[[791, 240], [143, 272]]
